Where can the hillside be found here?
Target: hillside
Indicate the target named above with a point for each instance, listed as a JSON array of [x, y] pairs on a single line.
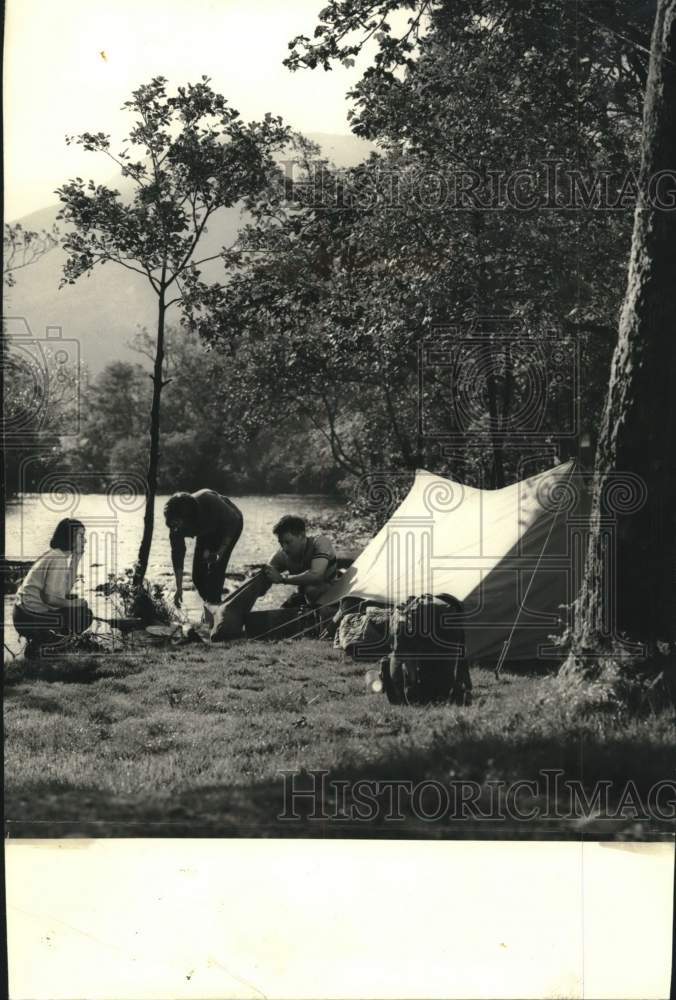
[[103, 311]]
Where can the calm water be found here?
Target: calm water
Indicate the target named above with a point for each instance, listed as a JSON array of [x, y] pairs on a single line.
[[114, 526]]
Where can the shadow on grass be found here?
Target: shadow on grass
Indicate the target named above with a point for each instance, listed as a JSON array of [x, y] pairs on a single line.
[[77, 669], [391, 796]]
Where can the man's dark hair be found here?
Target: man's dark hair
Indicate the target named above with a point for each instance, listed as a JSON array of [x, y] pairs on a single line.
[[64, 534], [291, 524], [183, 506]]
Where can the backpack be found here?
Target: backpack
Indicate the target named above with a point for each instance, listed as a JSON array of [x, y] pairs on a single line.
[[426, 662]]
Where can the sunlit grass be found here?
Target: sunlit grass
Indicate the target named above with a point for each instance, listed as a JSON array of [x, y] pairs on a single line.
[[194, 739]]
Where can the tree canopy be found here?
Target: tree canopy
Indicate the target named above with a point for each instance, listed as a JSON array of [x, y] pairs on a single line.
[[188, 155], [508, 152]]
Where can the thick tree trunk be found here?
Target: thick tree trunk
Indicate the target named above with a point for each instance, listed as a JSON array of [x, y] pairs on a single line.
[[153, 459], [629, 585]]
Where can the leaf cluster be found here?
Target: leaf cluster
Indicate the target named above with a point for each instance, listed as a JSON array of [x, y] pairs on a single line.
[[187, 155]]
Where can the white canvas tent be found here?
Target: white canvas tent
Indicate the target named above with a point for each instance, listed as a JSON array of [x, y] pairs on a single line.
[[512, 556]]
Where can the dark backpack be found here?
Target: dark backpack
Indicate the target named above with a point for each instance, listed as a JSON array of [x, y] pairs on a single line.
[[426, 663]]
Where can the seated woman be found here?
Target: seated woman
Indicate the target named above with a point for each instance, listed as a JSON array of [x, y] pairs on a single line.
[[43, 610]]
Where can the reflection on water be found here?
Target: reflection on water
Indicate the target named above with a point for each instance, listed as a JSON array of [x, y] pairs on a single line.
[[114, 526]]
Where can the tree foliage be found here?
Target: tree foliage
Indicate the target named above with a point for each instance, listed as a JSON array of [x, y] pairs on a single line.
[[40, 410], [22, 247], [197, 157], [206, 442], [434, 233], [188, 155]]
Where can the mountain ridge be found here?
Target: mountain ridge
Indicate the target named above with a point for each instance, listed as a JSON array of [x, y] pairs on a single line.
[[103, 311]]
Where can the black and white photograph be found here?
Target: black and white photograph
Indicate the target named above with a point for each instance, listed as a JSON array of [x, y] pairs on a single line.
[[339, 424]]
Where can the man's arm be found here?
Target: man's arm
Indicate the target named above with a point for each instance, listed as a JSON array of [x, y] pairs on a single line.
[[314, 575], [323, 555]]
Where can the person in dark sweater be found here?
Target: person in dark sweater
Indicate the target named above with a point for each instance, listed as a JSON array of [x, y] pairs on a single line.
[[216, 524]]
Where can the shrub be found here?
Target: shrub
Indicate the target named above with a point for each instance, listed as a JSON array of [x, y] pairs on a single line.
[[147, 601]]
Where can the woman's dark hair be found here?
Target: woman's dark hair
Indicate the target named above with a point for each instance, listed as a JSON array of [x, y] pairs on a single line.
[[64, 534], [289, 523], [183, 506]]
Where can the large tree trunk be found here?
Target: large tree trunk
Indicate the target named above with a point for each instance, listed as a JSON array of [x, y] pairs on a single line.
[[629, 585], [153, 459]]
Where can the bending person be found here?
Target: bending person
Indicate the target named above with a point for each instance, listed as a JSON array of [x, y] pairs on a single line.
[[215, 524], [308, 563], [44, 611]]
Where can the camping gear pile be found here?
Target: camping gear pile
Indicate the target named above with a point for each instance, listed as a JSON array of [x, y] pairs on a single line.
[[505, 554], [420, 647], [364, 635]]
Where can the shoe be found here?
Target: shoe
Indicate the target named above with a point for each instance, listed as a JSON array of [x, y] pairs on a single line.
[[191, 635]]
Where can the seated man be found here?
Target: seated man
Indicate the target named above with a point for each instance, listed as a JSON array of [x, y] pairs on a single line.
[[308, 563], [216, 525]]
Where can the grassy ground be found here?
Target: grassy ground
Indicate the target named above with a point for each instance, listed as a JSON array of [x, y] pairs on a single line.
[[191, 741]]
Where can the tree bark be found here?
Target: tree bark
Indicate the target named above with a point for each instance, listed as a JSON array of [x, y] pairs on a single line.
[[632, 592], [153, 459]]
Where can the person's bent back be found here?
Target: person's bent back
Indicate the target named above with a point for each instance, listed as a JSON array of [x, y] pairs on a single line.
[[216, 524]]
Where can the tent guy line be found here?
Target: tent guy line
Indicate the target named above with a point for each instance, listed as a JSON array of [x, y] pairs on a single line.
[[508, 640]]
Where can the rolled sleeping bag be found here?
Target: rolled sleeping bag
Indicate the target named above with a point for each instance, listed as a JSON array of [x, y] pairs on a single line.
[[229, 617]]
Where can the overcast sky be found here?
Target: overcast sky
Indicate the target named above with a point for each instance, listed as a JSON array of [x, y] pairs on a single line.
[[69, 65]]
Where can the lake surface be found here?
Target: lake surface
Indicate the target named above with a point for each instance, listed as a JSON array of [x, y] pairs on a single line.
[[114, 526]]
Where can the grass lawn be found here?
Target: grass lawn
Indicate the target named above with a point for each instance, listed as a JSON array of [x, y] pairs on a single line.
[[191, 742]]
